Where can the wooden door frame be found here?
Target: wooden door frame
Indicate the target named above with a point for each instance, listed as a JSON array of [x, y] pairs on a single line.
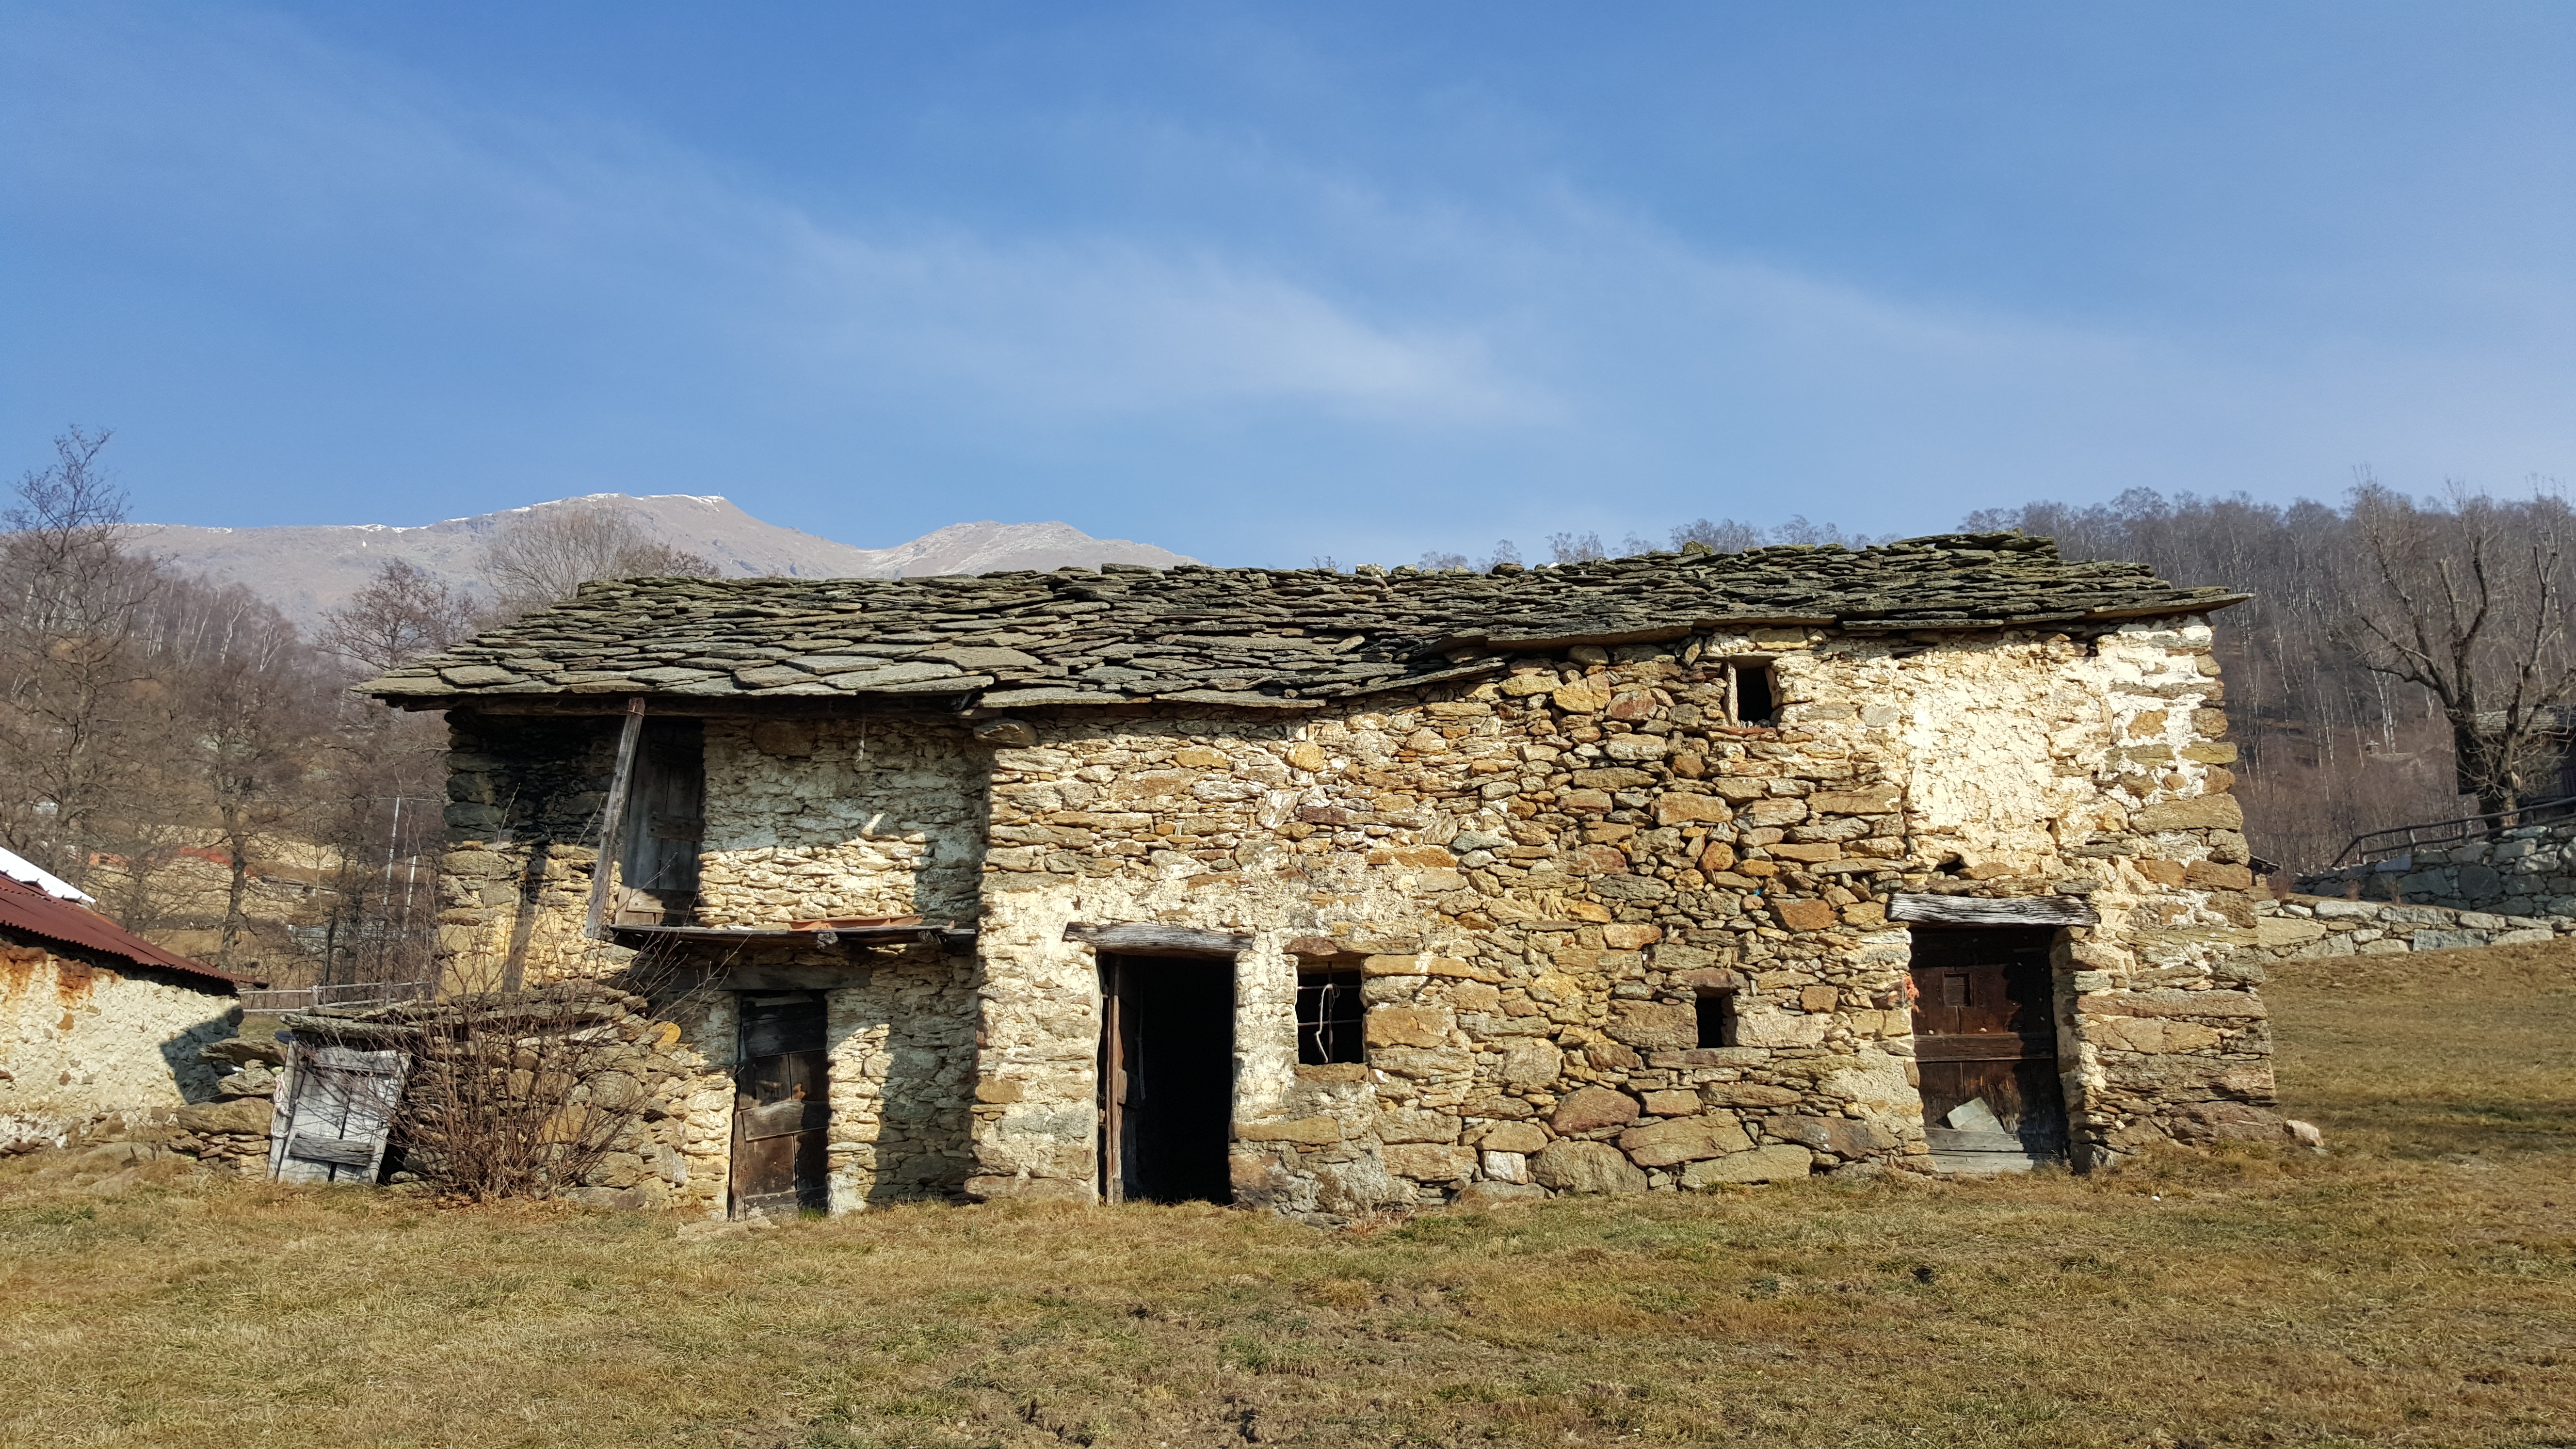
[[1112, 1059]]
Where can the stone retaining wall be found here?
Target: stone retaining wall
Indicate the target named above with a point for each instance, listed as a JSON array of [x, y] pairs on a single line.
[[2526, 871], [2303, 927]]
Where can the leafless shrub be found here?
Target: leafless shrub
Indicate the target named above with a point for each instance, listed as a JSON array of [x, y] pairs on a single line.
[[549, 554], [1724, 535], [525, 1094], [1566, 548]]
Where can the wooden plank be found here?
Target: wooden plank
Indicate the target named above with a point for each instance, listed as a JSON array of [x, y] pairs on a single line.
[[1995, 1047], [340, 1151], [1437, 676], [1987, 911], [1113, 1082], [1156, 940], [782, 1119], [947, 932], [612, 818]]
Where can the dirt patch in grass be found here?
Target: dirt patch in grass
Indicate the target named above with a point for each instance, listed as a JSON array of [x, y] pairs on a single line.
[[2418, 1286]]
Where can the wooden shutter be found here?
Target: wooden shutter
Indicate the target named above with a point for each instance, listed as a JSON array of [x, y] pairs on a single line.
[[335, 1108]]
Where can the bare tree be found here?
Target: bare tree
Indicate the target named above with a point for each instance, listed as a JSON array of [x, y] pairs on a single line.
[[73, 600], [2469, 604], [1568, 548], [405, 611], [252, 703], [1724, 535], [552, 552], [1434, 560]]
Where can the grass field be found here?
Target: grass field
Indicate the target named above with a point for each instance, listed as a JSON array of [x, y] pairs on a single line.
[[2418, 1286]]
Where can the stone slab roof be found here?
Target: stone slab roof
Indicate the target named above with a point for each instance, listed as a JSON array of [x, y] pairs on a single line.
[[1281, 638]]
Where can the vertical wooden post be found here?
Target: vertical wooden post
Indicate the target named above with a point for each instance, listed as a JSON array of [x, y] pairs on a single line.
[[1113, 1081], [612, 820]]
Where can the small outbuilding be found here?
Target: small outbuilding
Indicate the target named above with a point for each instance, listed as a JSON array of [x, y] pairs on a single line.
[[95, 1020]]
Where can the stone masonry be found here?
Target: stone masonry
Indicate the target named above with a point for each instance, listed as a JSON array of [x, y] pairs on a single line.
[[2528, 870], [1523, 811]]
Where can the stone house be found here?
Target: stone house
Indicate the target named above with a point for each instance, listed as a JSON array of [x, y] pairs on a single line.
[[1334, 892], [95, 1020]]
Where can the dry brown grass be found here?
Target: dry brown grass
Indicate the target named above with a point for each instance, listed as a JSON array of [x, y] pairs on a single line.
[[2418, 1287]]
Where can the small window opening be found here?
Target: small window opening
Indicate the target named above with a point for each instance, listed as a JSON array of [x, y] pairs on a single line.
[[1717, 1018], [1748, 693], [1330, 1017]]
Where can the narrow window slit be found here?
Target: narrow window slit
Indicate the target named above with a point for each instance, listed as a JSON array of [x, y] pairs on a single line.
[[1716, 1018], [1749, 695]]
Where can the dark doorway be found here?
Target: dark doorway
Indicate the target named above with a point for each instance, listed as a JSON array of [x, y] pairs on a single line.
[[781, 1107], [1166, 1078], [665, 820], [1985, 1043]]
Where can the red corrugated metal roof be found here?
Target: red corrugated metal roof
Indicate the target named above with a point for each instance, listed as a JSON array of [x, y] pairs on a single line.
[[25, 908]]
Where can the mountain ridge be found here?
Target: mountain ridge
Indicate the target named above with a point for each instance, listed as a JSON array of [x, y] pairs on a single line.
[[305, 569]]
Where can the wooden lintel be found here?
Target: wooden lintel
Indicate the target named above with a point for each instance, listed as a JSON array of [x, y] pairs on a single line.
[[1540, 643], [1437, 676], [944, 932], [1156, 940], [1990, 911]]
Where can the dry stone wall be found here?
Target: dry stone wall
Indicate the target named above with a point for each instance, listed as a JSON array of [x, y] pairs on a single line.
[[1539, 872], [2526, 871], [524, 796], [2307, 927], [810, 819]]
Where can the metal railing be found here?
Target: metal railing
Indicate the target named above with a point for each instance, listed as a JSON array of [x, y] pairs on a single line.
[[348, 994], [2401, 839]]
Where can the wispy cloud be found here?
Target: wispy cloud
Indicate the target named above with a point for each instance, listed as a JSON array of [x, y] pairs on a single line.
[[475, 284], [1125, 327]]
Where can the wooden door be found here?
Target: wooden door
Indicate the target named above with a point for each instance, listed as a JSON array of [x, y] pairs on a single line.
[[665, 820], [781, 1107], [1166, 1078], [335, 1108], [1985, 1040]]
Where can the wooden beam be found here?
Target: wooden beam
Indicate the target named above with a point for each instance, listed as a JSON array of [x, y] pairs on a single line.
[[1150, 940], [946, 932], [612, 819], [1988, 911]]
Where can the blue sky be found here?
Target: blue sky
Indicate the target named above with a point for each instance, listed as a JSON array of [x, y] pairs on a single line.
[[1263, 282]]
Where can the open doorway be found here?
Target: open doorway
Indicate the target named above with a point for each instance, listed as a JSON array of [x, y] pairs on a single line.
[[781, 1106], [1166, 1078], [1985, 1045]]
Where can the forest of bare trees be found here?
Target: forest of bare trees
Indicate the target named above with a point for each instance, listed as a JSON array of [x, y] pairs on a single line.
[[180, 750]]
